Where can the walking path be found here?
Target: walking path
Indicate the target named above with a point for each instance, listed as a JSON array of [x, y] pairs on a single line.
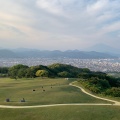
[[43, 106], [116, 103]]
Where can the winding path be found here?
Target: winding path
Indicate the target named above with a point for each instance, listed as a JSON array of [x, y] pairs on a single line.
[[116, 103]]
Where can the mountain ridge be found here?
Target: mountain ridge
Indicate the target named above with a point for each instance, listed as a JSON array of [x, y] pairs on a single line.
[[104, 48], [4, 53]]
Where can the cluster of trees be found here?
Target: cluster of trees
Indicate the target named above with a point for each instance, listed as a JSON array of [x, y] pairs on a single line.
[[4, 71], [107, 86], [23, 71], [54, 70]]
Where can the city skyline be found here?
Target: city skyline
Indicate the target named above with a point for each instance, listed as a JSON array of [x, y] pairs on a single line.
[[59, 24]]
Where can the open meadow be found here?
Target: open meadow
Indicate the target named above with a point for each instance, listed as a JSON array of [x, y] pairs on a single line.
[[44, 91], [62, 113]]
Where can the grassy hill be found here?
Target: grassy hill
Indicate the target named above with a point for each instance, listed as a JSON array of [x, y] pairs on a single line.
[[60, 92], [57, 91]]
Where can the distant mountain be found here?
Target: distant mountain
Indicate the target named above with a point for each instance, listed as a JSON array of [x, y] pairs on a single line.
[[7, 54], [1, 48], [104, 49], [65, 54], [53, 54], [23, 50]]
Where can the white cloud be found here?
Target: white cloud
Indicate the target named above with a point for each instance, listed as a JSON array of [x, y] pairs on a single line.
[[58, 7], [50, 6], [77, 22], [97, 7]]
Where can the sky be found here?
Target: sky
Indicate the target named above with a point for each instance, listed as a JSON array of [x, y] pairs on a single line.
[[59, 24]]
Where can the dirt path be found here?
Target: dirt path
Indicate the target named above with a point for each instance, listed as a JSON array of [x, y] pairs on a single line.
[[114, 102], [52, 105], [71, 104]]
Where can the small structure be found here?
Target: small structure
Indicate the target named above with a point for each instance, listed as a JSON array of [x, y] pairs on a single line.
[[23, 100], [7, 100]]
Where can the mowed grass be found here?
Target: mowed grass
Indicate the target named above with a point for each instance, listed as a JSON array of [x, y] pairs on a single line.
[[60, 92], [57, 91], [63, 113]]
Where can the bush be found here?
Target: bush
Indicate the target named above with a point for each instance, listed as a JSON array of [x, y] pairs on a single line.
[[114, 91]]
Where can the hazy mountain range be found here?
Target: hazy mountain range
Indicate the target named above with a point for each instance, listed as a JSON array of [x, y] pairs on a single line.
[[54, 54], [104, 49], [95, 52]]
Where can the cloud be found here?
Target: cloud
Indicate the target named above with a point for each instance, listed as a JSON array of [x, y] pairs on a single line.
[[58, 7], [53, 22], [50, 6], [97, 7]]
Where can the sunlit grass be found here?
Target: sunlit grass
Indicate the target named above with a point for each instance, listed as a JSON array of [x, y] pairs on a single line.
[[57, 91], [63, 113]]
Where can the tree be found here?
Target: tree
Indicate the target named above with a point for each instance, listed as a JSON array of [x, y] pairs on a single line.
[[17, 71], [21, 73], [63, 74], [42, 73], [4, 70], [114, 91], [30, 73]]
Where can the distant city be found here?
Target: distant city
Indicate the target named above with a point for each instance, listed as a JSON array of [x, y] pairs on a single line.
[[103, 65], [98, 58]]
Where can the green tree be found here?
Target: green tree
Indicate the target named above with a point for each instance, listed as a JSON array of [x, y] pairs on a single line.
[[30, 73], [64, 74], [15, 72], [42, 73], [114, 91], [21, 73], [4, 70]]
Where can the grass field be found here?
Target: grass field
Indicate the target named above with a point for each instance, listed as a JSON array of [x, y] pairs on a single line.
[[57, 91], [63, 113], [60, 92]]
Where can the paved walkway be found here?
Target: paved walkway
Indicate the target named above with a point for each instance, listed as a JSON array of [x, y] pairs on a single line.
[[116, 103]]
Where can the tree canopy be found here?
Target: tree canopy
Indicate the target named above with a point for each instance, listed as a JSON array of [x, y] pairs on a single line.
[[42, 73]]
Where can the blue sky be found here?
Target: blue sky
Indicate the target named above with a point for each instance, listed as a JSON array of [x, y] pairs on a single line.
[[59, 24]]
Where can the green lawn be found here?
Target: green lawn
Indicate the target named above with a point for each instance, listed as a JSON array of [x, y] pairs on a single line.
[[60, 92], [63, 113]]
